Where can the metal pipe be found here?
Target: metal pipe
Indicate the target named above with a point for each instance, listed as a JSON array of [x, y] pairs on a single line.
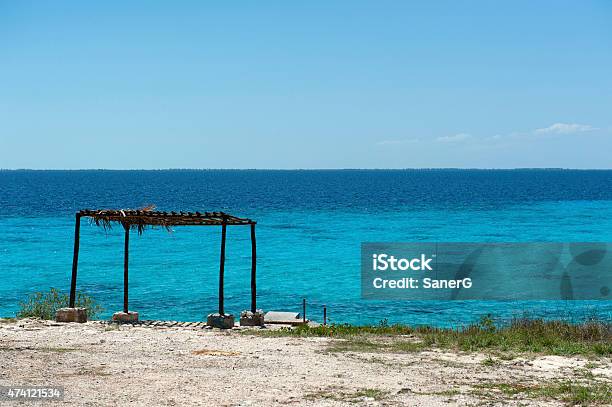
[[324, 315]]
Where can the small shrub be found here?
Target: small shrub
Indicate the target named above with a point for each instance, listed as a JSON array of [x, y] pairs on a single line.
[[487, 323], [44, 305]]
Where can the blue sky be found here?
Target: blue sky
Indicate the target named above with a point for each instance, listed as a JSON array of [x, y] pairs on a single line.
[[316, 84]]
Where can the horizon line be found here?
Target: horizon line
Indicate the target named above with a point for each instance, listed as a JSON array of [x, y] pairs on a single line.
[[314, 169]]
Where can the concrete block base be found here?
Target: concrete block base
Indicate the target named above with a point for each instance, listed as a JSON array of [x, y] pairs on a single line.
[[225, 321], [71, 315], [123, 317], [248, 318]]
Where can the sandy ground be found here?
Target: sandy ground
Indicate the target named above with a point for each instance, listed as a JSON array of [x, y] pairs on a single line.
[[137, 366]]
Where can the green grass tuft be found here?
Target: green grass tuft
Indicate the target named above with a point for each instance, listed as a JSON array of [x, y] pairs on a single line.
[[337, 394], [592, 338], [583, 394], [44, 305]]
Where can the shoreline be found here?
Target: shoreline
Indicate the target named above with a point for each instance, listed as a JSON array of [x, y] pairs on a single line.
[[110, 364]]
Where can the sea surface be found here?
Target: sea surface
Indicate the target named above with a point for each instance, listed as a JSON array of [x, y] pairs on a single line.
[[310, 226]]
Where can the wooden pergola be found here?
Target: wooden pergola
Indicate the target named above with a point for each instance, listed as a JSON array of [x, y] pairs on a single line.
[[139, 220]]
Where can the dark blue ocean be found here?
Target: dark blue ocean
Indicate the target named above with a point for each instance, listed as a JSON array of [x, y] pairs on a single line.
[[310, 228]]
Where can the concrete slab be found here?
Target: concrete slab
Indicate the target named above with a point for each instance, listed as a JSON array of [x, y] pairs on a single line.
[[281, 317]]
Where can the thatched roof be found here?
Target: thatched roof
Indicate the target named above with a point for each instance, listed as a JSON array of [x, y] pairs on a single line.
[[139, 219]]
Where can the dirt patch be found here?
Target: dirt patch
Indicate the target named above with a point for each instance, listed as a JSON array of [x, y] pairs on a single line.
[[213, 352], [174, 366]]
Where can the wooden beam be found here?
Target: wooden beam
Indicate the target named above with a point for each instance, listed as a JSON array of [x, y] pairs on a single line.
[[222, 267], [75, 259], [144, 217]]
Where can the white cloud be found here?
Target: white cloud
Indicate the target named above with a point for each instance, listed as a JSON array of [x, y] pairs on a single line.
[[565, 128], [396, 142], [454, 138], [495, 137]]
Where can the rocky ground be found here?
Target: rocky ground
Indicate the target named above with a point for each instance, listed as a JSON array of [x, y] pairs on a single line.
[[101, 364]]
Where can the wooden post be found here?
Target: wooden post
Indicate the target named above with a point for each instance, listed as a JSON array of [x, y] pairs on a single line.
[[75, 259], [304, 310], [253, 270], [222, 267], [125, 267]]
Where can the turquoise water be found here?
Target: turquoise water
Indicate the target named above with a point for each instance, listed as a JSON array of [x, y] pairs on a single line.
[[309, 232]]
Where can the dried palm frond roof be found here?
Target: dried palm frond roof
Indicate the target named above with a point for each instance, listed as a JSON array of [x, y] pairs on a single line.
[[139, 219]]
